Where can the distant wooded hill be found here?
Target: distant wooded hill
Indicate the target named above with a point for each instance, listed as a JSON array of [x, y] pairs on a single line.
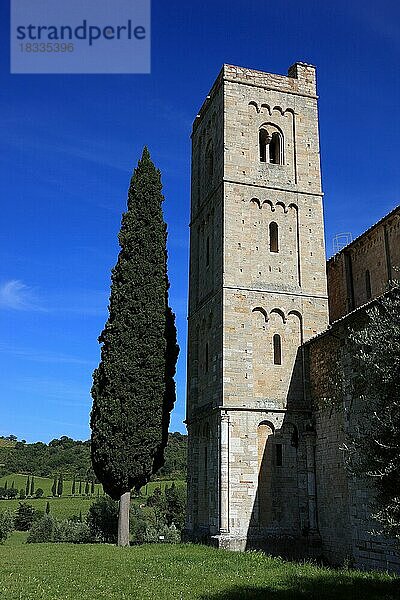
[[72, 457]]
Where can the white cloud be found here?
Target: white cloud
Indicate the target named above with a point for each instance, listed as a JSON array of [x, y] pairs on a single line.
[[15, 295]]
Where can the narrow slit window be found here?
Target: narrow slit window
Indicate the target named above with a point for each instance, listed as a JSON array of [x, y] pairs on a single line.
[[368, 284], [277, 349], [273, 237], [278, 455]]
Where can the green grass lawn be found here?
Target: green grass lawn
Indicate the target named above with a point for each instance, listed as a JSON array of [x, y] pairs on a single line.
[[161, 572], [67, 505], [16, 538], [62, 508]]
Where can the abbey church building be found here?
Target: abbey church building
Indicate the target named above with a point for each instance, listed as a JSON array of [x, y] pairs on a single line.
[[264, 465]]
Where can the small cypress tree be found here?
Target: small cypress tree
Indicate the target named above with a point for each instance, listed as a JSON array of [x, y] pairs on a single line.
[[80, 516], [60, 486], [87, 488], [133, 389], [80, 487], [32, 485], [92, 488], [54, 487], [73, 486], [5, 485], [13, 485], [28, 486], [47, 508]]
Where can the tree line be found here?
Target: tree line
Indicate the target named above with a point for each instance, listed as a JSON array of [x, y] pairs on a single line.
[[72, 459]]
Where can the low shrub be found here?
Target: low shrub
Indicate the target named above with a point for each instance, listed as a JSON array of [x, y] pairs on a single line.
[[49, 529], [74, 532], [164, 533], [147, 526], [43, 530], [8, 493], [102, 520], [6, 525]]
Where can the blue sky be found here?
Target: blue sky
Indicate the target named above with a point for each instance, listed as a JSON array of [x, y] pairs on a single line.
[[69, 143]]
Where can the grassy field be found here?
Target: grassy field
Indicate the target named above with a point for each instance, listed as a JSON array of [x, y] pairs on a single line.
[[46, 483], [62, 508], [67, 505], [165, 572], [42, 482], [16, 538]]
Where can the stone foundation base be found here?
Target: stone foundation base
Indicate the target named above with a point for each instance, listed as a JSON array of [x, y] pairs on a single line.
[[286, 546], [229, 542]]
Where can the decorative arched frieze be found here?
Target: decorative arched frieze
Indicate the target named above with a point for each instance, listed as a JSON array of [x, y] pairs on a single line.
[[259, 309], [279, 311], [270, 204], [282, 205], [269, 424], [255, 105], [256, 201], [273, 205], [266, 107]]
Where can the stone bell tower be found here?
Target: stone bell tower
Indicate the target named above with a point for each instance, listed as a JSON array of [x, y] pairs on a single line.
[[257, 291]]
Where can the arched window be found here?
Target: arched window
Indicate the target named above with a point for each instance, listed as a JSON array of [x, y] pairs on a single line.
[[263, 142], [270, 146], [273, 237], [368, 284], [275, 149], [209, 161], [265, 435], [277, 347]]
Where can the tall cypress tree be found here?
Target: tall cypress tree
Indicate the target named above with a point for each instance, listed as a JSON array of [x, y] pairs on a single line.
[[60, 486], [133, 390], [54, 487], [32, 485], [73, 486], [28, 486]]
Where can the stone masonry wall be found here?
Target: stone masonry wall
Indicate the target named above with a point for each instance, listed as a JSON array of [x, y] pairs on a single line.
[[376, 251], [344, 503], [267, 292], [204, 374]]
